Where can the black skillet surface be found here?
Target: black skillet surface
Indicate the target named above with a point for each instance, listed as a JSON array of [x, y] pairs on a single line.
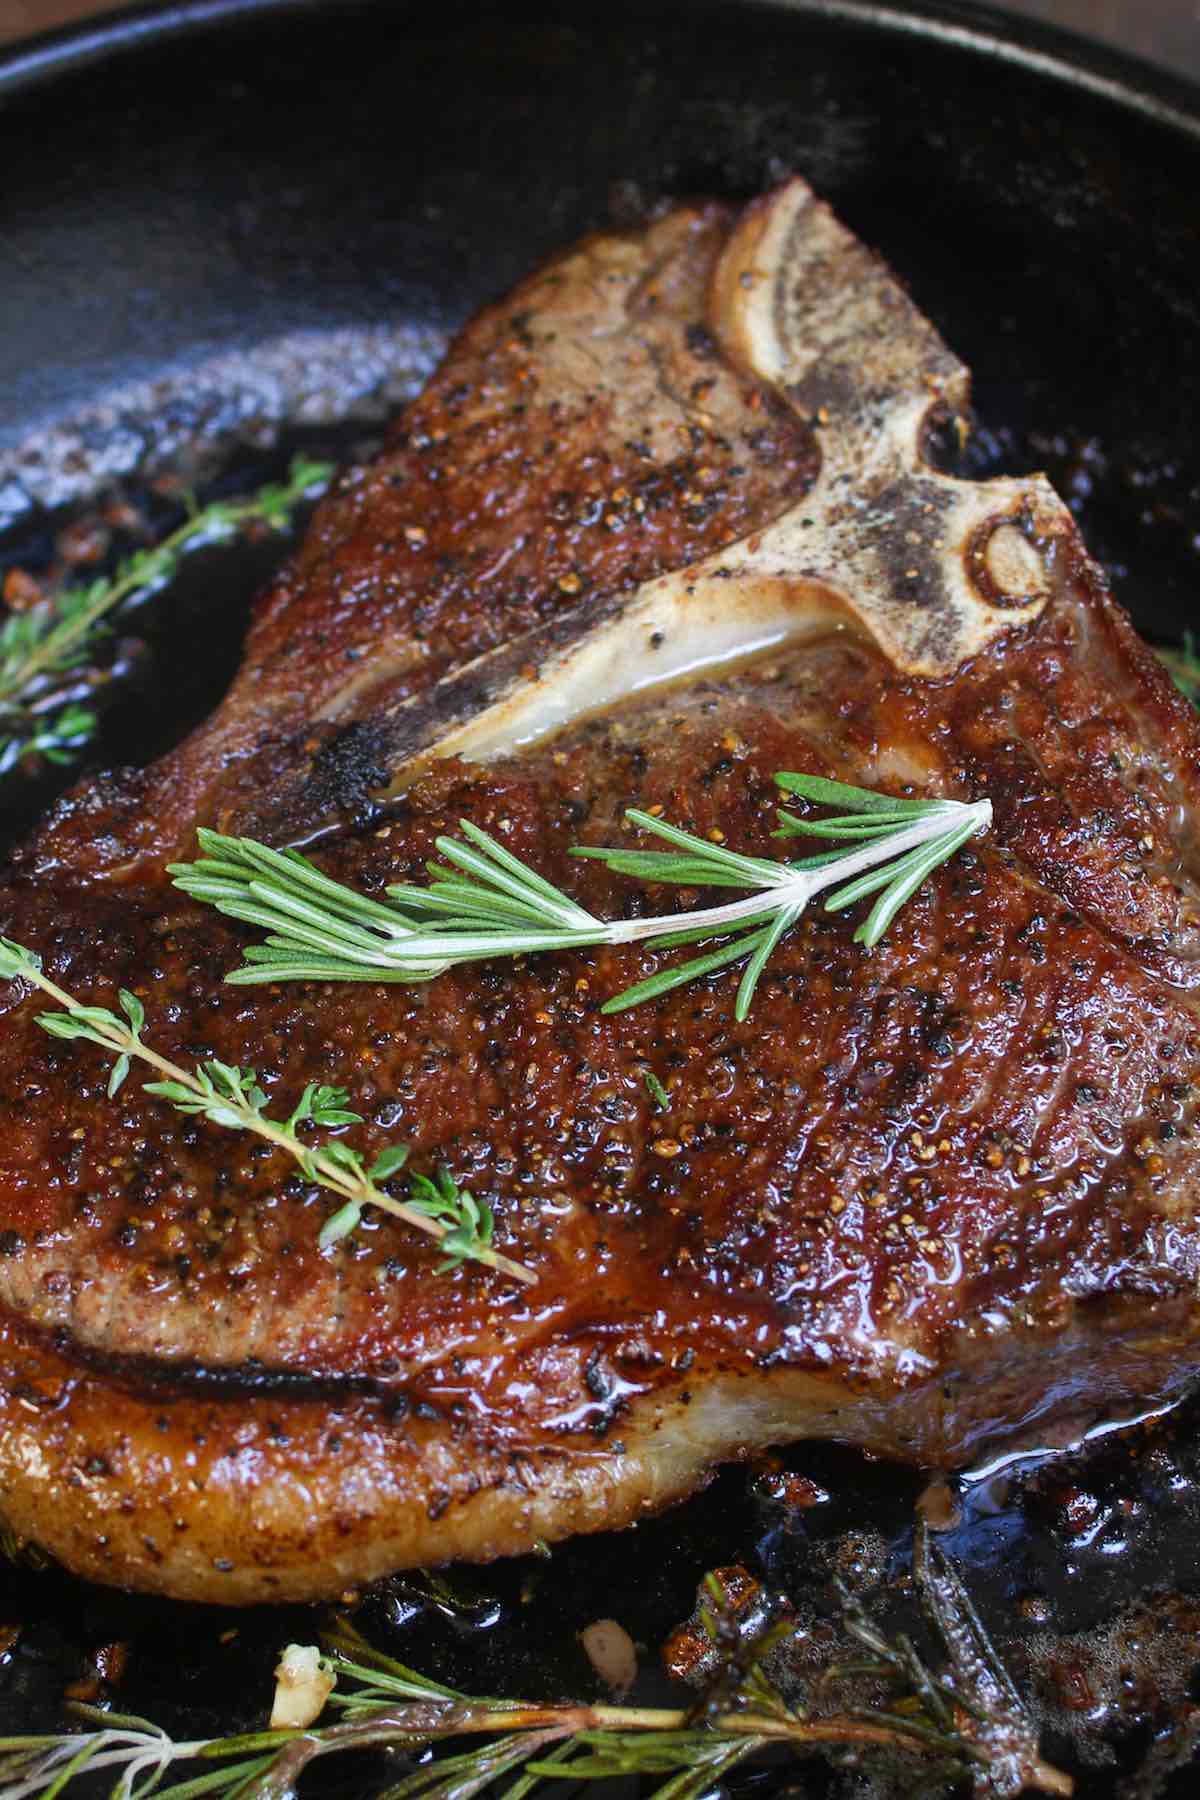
[[236, 227]]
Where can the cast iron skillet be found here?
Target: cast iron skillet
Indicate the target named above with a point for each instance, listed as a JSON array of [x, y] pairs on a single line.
[[227, 219]]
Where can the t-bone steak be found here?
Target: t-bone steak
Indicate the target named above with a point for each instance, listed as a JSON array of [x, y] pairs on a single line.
[[925, 1199]]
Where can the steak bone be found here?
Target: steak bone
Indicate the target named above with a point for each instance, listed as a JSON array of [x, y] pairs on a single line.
[[929, 568]]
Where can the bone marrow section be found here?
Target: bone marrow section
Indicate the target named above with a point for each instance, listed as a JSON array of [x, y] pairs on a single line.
[[1008, 565]]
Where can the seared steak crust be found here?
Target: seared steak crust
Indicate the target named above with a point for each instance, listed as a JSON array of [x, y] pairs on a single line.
[[921, 1198], [581, 437]]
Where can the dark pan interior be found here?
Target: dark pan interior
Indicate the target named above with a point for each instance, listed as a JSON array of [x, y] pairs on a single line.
[[233, 230]]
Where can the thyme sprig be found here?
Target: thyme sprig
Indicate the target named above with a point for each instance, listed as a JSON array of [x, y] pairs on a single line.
[[232, 1097], [383, 1703], [44, 647], [482, 901]]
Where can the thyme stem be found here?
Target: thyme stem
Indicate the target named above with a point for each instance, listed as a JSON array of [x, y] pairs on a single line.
[[143, 571]]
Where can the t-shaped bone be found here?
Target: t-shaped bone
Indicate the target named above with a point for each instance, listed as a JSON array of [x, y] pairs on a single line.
[[930, 568]]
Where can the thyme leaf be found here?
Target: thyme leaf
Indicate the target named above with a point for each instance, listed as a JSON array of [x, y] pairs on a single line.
[[483, 902], [44, 647], [657, 1091], [232, 1097]]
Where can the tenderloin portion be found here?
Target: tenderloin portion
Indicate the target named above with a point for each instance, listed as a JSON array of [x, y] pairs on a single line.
[[921, 1200]]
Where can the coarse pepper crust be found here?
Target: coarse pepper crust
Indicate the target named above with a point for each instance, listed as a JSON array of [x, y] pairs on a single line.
[[920, 1200]]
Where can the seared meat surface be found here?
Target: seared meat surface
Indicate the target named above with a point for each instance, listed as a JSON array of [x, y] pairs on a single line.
[[923, 1198]]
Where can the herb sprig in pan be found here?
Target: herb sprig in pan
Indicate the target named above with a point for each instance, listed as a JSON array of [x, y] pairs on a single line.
[[44, 647], [231, 1097], [1183, 664], [965, 1722], [483, 902]]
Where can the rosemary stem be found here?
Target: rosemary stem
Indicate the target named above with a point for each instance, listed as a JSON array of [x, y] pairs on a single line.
[[350, 1185], [738, 1724], [398, 1709], [140, 1752], [484, 902]]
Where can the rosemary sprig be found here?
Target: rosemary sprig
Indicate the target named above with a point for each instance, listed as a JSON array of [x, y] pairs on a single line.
[[483, 902], [1183, 665], [43, 648], [384, 1703], [229, 1096], [976, 1700]]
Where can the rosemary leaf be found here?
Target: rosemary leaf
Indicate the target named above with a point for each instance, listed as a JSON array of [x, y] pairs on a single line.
[[754, 869], [655, 866], [665, 979], [919, 865], [823, 792], [783, 921]]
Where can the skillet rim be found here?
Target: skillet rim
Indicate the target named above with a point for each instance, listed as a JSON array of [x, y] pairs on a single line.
[[1130, 82], [1135, 88]]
